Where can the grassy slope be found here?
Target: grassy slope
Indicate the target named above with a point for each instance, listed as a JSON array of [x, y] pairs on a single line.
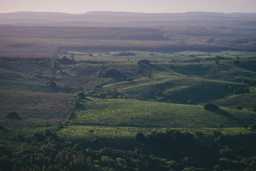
[[247, 101], [170, 85], [129, 112], [177, 88]]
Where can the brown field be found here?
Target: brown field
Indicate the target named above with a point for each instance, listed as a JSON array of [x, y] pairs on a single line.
[[35, 106]]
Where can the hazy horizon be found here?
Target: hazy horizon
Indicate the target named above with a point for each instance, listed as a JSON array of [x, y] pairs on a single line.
[[141, 6]]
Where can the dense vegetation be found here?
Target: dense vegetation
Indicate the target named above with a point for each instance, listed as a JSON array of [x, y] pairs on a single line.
[[123, 149]]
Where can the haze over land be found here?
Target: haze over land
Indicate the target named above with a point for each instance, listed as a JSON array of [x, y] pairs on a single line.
[[145, 85], [24, 32]]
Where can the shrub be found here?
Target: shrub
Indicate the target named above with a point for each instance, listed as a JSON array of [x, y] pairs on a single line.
[[52, 85], [145, 68], [79, 105], [2, 128], [239, 107], [144, 62], [253, 127], [114, 74], [66, 60], [193, 169], [140, 137], [211, 107], [81, 95], [13, 116]]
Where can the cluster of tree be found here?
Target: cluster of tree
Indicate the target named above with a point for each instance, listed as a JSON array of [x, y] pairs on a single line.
[[65, 60], [211, 107], [46, 151], [80, 100], [145, 68], [117, 74], [215, 152], [108, 93], [13, 116]]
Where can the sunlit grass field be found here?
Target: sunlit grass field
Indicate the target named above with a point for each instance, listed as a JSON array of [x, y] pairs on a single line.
[[130, 112]]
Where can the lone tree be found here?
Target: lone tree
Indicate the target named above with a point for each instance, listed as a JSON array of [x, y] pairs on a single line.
[[66, 60], [253, 127], [13, 116], [81, 95], [52, 84], [140, 137], [237, 61], [2, 128]]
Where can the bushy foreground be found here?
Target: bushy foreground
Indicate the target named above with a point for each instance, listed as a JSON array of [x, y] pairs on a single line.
[[171, 150]]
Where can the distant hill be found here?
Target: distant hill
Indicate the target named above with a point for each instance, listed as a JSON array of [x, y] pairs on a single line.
[[121, 18], [39, 34]]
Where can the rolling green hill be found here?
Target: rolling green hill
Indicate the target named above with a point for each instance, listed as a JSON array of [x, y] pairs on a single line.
[[247, 101], [137, 113], [178, 89]]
